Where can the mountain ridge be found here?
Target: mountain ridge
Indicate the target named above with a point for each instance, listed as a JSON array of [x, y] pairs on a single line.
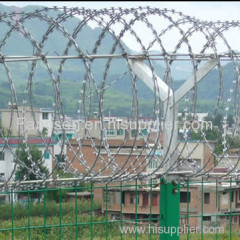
[[75, 71]]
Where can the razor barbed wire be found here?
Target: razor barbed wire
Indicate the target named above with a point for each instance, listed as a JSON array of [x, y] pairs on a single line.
[[114, 26]]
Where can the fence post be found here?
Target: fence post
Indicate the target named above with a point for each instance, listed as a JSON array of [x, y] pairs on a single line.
[[169, 210]]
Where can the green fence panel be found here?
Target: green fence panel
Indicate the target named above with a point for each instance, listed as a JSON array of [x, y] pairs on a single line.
[[122, 211]]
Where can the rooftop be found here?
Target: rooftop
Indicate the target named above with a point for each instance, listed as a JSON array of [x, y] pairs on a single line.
[[34, 141], [111, 142]]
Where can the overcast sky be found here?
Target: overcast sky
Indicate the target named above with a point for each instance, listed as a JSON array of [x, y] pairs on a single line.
[[206, 10], [209, 10]]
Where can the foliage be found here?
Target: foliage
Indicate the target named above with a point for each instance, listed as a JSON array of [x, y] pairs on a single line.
[[216, 135], [217, 120], [52, 215], [211, 134], [233, 141], [5, 132], [44, 132], [118, 98], [88, 225], [85, 230], [32, 159], [52, 209], [55, 194]]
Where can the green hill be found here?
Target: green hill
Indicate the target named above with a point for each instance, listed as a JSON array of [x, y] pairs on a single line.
[[117, 97]]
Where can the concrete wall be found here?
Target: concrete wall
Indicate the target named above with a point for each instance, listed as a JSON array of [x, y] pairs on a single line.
[[13, 120], [200, 152]]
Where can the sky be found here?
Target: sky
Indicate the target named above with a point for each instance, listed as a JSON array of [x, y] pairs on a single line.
[[203, 10]]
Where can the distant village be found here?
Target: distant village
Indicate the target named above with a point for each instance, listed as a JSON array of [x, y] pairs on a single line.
[[59, 144]]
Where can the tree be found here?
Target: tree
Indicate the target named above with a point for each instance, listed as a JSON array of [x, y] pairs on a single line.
[[230, 120], [55, 195], [211, 134], [35, 162], [5, 132], [218, 120], [44, 132]]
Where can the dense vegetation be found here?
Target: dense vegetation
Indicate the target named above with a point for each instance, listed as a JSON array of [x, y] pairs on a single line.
[[28, 158], [30, 222]]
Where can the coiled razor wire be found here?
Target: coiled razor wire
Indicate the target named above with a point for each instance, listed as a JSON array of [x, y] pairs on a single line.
[[118, 24]]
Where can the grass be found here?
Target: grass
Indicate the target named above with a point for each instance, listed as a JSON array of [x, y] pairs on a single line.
[[35, 224]]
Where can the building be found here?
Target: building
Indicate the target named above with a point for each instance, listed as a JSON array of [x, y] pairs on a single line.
[[148, 204], [121, 157], [209, 206], [229, 159], [17, 119], [199, 116], [229, 205], [126, 200], [7, 165], [8, 148], [116, 128], [90, 153], [39, 122], [198, 154]]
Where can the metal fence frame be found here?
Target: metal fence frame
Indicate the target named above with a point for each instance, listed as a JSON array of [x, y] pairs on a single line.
[[10, 228]]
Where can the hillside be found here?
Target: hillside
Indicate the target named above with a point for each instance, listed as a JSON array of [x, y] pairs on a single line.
[[117, 98]]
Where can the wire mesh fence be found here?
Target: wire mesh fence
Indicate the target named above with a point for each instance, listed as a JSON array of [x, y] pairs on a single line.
[[103, 199], [104, 64], [208, 210]]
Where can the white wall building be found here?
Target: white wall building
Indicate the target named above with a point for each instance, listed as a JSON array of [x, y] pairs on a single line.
[[17, 119], [7, 154]]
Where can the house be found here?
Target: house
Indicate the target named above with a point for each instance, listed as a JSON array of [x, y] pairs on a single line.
[[116, 128], [35, 121], [93, 154], [196, 153], [112, 160], [89, 154], [125, 202], [148, 204], [197, 206], [32, 121], [8, 148], [229, 204], [229, 159]]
